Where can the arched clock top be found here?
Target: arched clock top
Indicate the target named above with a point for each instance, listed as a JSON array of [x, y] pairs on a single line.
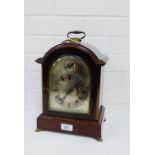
[[75, 49]]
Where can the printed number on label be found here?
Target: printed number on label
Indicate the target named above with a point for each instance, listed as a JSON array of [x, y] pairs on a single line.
[[66, 127]]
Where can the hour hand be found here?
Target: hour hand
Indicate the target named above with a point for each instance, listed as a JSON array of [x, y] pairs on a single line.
[[61, 99]]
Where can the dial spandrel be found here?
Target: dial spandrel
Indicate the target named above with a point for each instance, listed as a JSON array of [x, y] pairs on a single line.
[[69, 85]]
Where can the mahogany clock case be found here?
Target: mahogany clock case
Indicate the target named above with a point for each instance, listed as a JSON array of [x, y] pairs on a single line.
[[51, 120]]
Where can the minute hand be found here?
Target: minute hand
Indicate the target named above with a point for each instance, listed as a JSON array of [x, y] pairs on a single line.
[[68, 92]]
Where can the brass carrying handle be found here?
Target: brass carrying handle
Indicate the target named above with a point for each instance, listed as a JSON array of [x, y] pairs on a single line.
[[76, 32]]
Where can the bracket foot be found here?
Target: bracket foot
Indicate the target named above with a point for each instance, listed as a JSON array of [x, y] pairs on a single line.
[[99, 139], [38, 130]]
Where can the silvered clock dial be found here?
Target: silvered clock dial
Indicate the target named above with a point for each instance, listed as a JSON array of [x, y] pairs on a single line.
[[69, 85]]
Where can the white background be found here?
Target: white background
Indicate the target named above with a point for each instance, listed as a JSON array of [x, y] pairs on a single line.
[[142, 77], [106, 24]]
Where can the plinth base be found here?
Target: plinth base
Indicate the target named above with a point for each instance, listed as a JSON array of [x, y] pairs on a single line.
[[91, 128]]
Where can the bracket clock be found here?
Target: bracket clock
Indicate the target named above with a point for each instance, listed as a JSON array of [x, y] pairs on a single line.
[[71, 74]]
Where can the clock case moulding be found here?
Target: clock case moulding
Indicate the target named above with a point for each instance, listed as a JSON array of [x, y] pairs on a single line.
[[86, 125]]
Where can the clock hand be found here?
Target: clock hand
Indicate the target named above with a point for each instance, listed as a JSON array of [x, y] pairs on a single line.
[[68, 92], [61, 99]]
